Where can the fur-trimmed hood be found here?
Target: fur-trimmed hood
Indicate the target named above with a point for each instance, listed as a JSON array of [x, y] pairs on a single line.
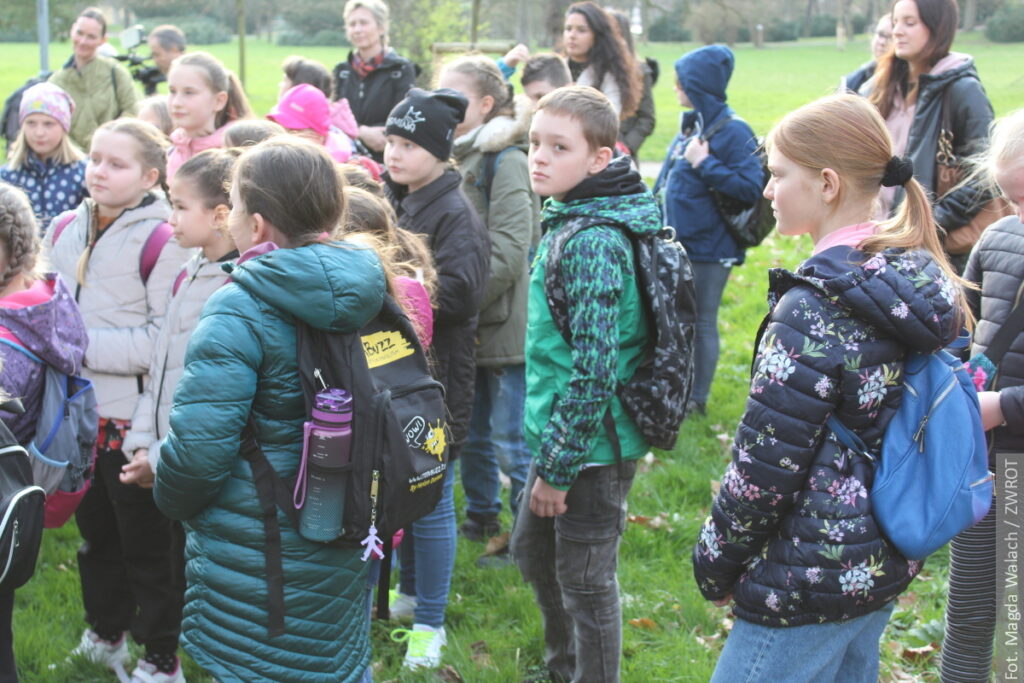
[[500, 132]]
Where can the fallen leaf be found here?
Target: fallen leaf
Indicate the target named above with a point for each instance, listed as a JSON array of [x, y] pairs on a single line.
[[659, 521], [727, 624], [647, 463], [497, 544], [449, 675], [706, 641], [908, 599], [479, 647], [724, 438], [918, 654], [643, 622], [716, 486]]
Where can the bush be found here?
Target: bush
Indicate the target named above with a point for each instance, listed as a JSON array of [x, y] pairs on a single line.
[[781, 31], [198, 31], [669, 28], [323, 37], [1006, 25], [822, 25]]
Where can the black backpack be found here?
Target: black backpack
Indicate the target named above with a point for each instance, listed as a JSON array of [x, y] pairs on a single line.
[[21, 510], [9, 124], [655, 397], [399, 439], [748, 224]]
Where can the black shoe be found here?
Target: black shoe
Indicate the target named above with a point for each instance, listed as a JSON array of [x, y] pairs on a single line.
[[695, 408], [496, 560], [478, 528]]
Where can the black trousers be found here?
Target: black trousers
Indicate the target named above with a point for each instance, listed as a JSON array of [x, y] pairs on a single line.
[[131, 561], [8, 670]]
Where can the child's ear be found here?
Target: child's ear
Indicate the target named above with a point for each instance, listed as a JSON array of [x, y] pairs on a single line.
[[220, 216], [600, 161], [830, 184], [220, 101], [151, 177], [486, 104]]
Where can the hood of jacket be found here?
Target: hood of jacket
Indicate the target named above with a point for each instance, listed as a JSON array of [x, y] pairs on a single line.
[[337, 286], [704, 75], [617, 194], [953, 66], [902, 293], [53, 329]]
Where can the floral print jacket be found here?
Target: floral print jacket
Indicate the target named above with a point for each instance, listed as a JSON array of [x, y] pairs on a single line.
[[791, 533]]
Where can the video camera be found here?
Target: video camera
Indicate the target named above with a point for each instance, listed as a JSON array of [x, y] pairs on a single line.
[[149, 76]]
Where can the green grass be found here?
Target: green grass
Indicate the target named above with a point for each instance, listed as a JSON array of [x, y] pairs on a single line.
[[493, 624]]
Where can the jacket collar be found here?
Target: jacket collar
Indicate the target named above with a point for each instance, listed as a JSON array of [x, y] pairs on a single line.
[[413, 203]]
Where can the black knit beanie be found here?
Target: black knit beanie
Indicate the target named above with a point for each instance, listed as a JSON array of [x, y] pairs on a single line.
[[429, 119]]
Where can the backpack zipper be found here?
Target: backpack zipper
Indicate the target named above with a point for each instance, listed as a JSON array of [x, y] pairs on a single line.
[[919, 434]]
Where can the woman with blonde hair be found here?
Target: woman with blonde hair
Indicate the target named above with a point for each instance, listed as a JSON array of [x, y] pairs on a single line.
[[791, 535], [373, 78]]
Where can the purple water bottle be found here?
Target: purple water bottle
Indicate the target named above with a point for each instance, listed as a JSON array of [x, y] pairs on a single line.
[[326, 451]]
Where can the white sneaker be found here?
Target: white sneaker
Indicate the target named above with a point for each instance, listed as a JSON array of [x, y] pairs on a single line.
[[95, 649], [401, 606], [147, 672], [424, 648]]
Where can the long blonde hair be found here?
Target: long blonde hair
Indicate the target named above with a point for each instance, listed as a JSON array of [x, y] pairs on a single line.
[[1005, 145], [67, 152], [847, 134]]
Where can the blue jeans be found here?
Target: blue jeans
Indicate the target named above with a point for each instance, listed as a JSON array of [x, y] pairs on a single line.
[[709, 281], [842, 652], [496, 440], [571, 562], [427, 557]]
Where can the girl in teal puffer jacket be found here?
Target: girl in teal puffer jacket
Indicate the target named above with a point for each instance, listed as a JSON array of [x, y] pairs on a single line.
[[241, 362]]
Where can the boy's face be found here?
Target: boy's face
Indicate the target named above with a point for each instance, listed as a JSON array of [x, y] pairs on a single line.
[[538, 89], [560, 157]]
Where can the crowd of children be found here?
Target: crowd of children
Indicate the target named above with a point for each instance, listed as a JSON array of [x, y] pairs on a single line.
[[186, 244]]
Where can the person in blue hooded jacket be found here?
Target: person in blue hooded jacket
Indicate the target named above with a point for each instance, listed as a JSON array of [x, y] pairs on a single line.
[[694, 166]]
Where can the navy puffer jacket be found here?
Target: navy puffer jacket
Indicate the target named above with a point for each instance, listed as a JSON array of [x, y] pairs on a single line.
[[732, 167], [241, 360], [791, 533]]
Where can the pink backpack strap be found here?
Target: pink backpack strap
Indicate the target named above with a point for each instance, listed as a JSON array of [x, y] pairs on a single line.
[[178, 280], [63, 221], [160, 236]]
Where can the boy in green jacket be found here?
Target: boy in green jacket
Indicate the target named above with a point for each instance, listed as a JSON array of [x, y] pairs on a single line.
[[566, 544]]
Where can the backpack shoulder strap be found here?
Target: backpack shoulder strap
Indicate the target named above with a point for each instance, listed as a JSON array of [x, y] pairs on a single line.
[[554, 289], [63, 221], [15, 345], [490, 170], [182, 274], [152, 249], [1006, 333], [716, 126], [273, 495]]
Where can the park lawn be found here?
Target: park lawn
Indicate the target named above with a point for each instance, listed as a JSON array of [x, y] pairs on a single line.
[[670, 633]]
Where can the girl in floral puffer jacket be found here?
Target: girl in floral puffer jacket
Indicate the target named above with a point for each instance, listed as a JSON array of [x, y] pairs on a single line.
[[791, 534]]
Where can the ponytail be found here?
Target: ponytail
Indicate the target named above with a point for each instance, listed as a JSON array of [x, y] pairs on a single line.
[[220, 79]]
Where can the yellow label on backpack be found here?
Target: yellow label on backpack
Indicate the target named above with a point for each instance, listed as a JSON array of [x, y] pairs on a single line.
[[385, 347]]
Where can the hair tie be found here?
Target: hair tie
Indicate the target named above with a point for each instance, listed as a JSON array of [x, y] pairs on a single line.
[[898, 171]]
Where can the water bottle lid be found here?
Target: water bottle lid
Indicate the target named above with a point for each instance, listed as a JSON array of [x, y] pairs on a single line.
[[333, 405]]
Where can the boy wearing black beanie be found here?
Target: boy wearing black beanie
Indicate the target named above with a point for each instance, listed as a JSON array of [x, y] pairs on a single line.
[[424, 191]]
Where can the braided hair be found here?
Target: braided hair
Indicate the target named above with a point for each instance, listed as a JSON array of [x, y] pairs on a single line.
[[19, 236]]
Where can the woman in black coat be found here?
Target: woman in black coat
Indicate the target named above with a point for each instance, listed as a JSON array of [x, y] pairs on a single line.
[[373, 78]]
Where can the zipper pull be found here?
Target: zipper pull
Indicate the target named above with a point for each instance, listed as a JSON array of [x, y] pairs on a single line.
[[919, 434], [316, 373]]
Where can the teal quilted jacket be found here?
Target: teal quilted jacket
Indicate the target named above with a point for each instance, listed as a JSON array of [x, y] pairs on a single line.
[[241, 359]]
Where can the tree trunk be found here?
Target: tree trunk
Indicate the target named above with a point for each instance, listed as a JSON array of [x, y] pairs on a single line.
[[970, 15], [555, 21], [808, 13]]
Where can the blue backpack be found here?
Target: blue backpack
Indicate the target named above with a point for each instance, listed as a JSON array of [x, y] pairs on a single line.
[[61, 450], [932, 479]]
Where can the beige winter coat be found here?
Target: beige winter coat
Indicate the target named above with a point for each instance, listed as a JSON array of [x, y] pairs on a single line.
[[152, 414], [123, 316]]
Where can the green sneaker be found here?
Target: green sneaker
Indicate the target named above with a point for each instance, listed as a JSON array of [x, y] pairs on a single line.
[[424, 646]]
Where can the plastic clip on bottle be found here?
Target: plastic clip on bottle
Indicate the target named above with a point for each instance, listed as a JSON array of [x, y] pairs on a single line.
[[326, 454]]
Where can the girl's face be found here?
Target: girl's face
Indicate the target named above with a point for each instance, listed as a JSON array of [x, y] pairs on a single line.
[[114, 174], [479, 107], [43, 134], [240, 223], [684, 101], [192, 102], [363, 31], [194, 224], [908, 31], [792, 189], [409, 164], [578, 37], [1011, 182], [86, 37]]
